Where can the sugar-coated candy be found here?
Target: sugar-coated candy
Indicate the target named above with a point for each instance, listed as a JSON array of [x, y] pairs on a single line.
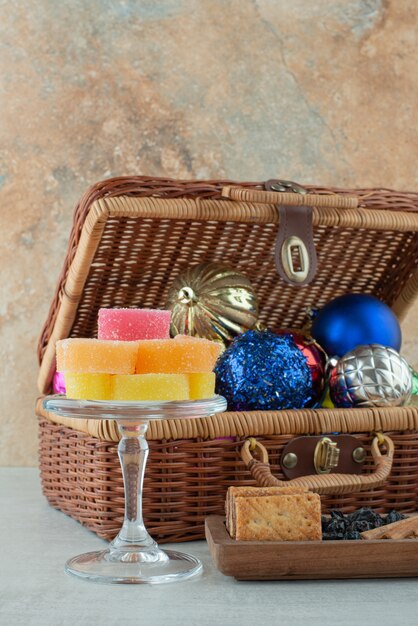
[[133, 324], [202, 385], [94, 356], [88, 386], [181, 355], [139, 387], [151, 387]]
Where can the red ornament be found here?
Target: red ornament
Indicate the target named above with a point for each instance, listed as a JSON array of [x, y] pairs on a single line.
[[58, 383], [315, 358]]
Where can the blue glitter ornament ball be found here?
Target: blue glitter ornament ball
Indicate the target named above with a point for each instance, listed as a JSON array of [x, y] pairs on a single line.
[[264, 371], [354, 320]]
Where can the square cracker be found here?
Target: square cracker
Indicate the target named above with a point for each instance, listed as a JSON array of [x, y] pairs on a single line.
[[279, 518], [240, 492]]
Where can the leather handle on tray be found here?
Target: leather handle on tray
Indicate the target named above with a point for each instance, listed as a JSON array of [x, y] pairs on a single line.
[[333, 484]]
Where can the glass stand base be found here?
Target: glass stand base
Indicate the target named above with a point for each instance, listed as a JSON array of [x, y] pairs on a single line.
[[135, 567], [133, 556]]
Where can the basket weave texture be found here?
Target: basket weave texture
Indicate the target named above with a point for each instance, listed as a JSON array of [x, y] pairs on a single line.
[[130, 238]]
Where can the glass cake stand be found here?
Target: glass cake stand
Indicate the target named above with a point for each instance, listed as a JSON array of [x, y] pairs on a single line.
[[133, 556]]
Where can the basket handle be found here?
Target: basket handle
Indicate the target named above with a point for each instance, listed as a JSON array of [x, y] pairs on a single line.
[[333, 484]]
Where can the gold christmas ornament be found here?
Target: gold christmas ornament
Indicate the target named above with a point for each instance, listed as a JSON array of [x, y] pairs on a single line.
[[212, 300]]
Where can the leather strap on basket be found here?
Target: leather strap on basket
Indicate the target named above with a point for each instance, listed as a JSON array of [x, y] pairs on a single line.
[[332, 484], [294, 253]]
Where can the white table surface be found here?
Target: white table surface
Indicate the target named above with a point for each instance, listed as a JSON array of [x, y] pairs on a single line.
[[37, 540]]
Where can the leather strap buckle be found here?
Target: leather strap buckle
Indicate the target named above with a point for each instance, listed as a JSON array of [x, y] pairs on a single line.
[[295, 254]]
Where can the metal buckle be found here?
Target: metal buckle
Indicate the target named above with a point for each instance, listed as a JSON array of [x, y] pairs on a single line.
[[326, 456], [286, 185], [287, 253]]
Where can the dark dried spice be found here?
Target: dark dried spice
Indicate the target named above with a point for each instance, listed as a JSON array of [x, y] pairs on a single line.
[[394, 516], [332, 536], [336, 527], [367, 515], [339, 526], [336, 514], [361, 526], [351, 535]]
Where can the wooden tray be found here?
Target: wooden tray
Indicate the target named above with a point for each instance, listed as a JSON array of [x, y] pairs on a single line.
[[293, 560]]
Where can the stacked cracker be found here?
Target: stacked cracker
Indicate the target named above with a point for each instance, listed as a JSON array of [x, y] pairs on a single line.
[[273, 514]]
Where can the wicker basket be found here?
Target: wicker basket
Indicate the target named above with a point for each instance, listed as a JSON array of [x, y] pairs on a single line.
[[130, 238]]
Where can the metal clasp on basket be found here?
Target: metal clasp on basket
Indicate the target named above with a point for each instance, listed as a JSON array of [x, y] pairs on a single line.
[[295, 259], [285, 185], [326, 456]]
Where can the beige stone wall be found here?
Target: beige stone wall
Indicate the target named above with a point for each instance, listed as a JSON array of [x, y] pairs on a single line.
[[318, 91]]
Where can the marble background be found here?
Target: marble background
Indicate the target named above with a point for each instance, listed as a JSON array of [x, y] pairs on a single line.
[[318, 91]]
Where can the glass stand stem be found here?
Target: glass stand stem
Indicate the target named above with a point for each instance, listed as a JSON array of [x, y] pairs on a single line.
[[133, 453], [133, 556]]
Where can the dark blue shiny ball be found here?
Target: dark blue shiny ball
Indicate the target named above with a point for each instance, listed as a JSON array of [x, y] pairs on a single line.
[[354, 320], [265, 371]]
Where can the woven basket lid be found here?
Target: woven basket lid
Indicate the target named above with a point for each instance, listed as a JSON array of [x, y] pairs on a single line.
[[132, 235]]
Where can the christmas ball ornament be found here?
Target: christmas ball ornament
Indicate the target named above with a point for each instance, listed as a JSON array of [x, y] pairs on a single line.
[[414, 397], [372, 375], [266, 371], [58, 383], [414, 375], [315, 358], [213, 301], [327, 403], [355, 320]]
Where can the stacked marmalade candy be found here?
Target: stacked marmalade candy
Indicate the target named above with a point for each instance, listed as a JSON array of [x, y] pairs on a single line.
[[134, 359]]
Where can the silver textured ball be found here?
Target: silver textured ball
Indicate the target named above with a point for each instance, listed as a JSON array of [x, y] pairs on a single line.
[[371, 375]]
